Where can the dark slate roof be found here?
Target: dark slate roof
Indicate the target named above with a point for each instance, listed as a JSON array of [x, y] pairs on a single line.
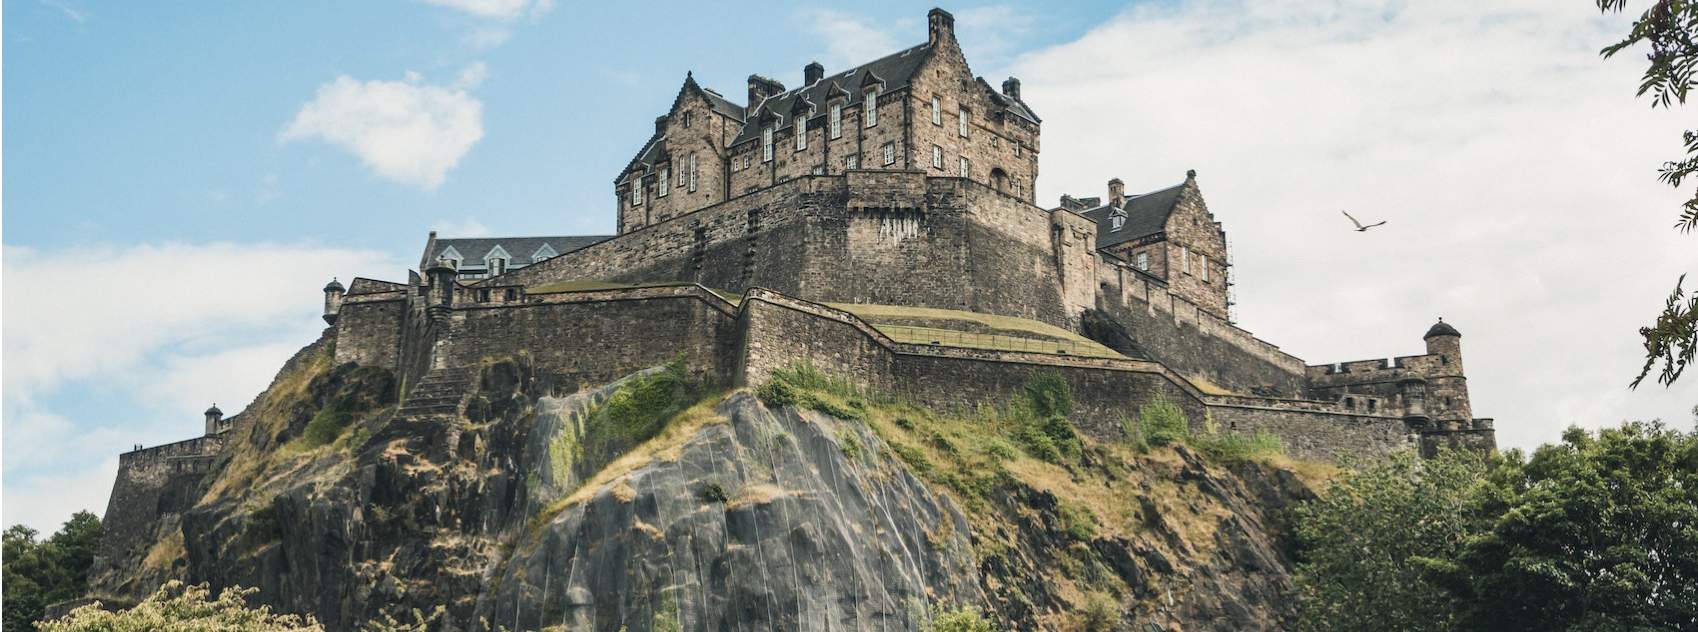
[[1442, 328], [214, 411], [473, 250], [1015, 106], [895, 70], [720, 105], [1145, 215], [654, 150]]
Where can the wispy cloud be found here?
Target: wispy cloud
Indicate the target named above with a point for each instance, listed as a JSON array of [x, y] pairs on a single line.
[[497, 9], [407, 131], [849, 39], [74, 13], [1514, 165]]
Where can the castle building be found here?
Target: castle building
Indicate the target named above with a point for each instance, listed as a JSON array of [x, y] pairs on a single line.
[[480, 257], [1168, 234]]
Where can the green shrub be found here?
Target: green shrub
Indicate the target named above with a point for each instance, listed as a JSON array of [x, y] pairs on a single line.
[[959, 619], [850, 443], [1233, 447], [1099, 613], [913, 457], [1163, 422], [1000, 450], [1078, 521], [905, 423], [327, 424], [639, 409], [1036, 443], [1049, 395], [712, 492], [1061, 433]]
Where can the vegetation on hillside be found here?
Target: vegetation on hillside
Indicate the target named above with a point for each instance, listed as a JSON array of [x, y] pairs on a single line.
[[39, 573], [1670, 29], [1598, 532]]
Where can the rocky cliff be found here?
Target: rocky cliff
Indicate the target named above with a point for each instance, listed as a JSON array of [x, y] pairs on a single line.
[[659, 502]]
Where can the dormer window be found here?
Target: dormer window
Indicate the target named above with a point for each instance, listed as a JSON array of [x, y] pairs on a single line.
[[766, 145], [961, 122], [544, 253], [664, 182], [837, 120], [496, 261], [937, 111], [869, 109], [1117, 221], [452, 257]]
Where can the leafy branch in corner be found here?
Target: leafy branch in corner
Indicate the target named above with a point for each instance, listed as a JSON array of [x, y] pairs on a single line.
[[1670, 29]]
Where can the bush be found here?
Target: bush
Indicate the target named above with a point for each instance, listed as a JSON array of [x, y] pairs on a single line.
[[639, 409], [959, 619], [1099, 614], [180, 607], [1233, 447], [1162, 422], [328, 424], [1078, 521]]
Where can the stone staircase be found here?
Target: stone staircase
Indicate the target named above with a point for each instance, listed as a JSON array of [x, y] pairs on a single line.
[[440, 392]]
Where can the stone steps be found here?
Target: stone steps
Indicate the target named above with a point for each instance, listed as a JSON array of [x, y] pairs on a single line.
[[438, 393]]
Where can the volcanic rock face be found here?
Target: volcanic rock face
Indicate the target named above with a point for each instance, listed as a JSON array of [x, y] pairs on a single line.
[[486, 495]]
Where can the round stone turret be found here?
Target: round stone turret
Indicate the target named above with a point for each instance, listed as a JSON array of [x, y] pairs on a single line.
[[214, 417], [333, 292]]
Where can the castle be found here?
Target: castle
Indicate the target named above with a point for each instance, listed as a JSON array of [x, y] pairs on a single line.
[[880, 224]]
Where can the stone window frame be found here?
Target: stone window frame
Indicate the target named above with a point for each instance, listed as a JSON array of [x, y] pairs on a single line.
[[766, 144], [836, 120], [693, 172], [1185, 259], [637, 191], [801, 134], [937, 111], [889, 152], [851, 162], [687, 117], [1204, 260], [961, 118], [869, 107], [966, 167], [937, 157], [664, 182], [1144, 261]]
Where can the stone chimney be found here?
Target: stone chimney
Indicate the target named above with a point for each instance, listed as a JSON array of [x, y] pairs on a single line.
[[761, 88], [332, 301], [1011, 87], [214, 416], [659, 124], [1116, 193], [940, 26], [812, 73]]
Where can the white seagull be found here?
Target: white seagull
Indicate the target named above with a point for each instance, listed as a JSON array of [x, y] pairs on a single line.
[[1359, 227]]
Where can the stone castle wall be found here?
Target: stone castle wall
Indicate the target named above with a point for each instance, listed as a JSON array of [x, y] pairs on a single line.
[[153, 487]]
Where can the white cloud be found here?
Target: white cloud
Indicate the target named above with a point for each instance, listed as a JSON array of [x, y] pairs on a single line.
[[487, 37], [1515, 167], [497, 9], [406, 131], [466, 227], [153, 333], [472, 76], [849, 39]]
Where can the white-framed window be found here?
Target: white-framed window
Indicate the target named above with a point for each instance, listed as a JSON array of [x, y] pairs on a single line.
[[766, 145], [851, 161], [889, 154], [1116, 222], [801, 134], [937, 111], [966, 167], [637, 191], [1144, 261], [869, 109], [496, 261], [693, 173], [1185, 259], [836, 120], [819, 170], [937, 157], [1204, 260], [961, 122], [663, 184]]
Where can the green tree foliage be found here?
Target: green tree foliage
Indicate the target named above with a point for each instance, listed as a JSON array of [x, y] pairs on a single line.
[[1669, 28], [1361, 544], [1161, 422], [959, 619], [38, 573], [1598, 532]]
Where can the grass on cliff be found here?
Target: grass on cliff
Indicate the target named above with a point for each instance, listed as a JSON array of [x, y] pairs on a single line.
[[957, 328], [1117, 490]]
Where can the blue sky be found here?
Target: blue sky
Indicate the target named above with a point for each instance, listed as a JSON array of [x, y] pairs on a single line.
[[182, 178]]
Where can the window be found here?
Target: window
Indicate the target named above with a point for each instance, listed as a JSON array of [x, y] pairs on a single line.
[[1144, 261], [869, 108], [965, 170], [1185, 259], [837, 120], [692, 173], [1204, 259], [687, 119], [819, 170], [1116, 221], [1018, 148], [937, 157], [961, 123], [889, 154], [801, 134], [937, 111], [637, 192], [851, 161], [766, 145], [664, 182]]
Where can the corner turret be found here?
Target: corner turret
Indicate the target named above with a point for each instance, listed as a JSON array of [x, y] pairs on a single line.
[[333, 300], [214, 418], [1445, 341]]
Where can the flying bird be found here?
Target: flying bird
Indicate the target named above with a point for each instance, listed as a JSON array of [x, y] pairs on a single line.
[[1359, 227]]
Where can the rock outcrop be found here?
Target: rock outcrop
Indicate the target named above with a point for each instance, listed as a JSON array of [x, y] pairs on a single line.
[[505, 504]]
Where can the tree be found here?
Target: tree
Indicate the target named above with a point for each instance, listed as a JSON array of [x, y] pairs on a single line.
[[1670, 28], [1364, 545], [38, 573], [1595, 533]]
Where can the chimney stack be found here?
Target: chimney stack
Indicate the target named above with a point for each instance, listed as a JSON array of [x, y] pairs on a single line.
[[1116, 193], [761, 88], [940, 25], [659, 124], [1011, 87], [812, 73]]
